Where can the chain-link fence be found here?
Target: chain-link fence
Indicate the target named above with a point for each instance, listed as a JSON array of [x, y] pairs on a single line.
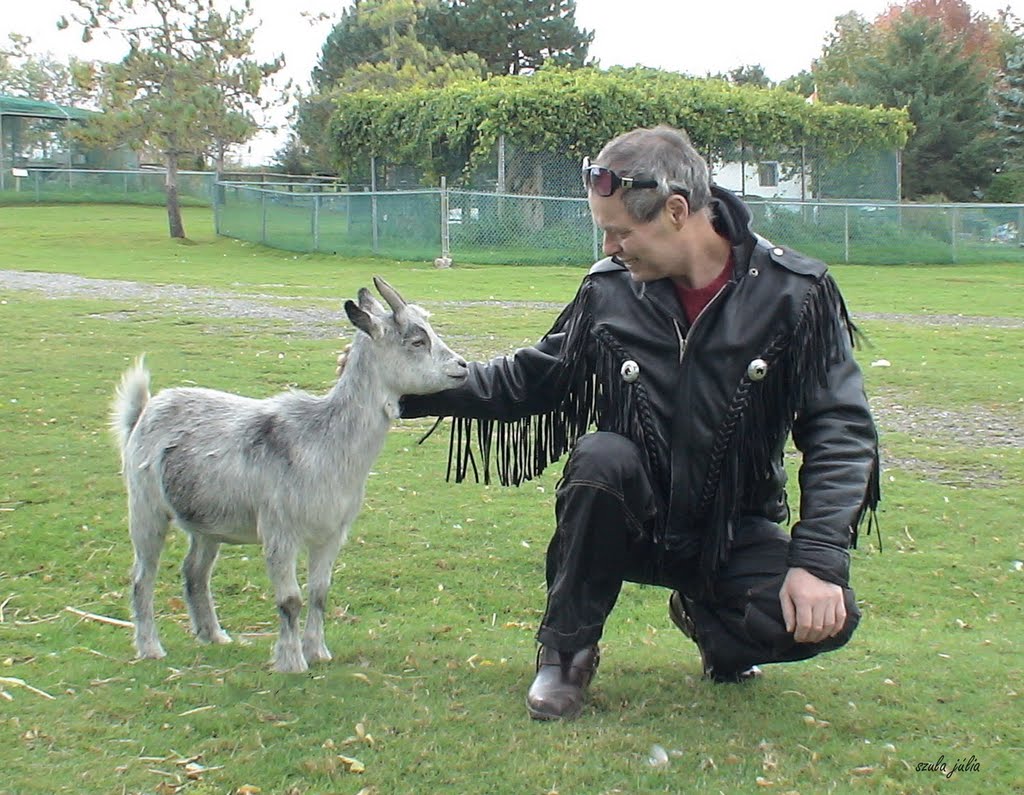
[[486, 227], [129, 186], [66, 185]]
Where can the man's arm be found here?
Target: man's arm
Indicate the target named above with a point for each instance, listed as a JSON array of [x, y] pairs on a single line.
[[506, 388], [837, 438]]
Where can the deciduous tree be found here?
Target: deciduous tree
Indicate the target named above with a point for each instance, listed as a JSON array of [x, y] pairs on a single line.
[[24, 73], [375, 46]]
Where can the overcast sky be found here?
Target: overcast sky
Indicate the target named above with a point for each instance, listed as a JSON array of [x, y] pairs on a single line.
[[691, 36]]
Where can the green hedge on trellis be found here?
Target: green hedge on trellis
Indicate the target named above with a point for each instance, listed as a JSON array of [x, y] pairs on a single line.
[[443, 131]]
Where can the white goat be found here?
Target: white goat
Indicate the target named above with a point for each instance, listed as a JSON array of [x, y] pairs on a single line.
[[284, 472]]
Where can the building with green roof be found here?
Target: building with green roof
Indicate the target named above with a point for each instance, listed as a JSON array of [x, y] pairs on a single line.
[[33, 135]]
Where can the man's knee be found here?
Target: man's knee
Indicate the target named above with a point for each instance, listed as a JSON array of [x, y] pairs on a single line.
[[766, 627], [603, 457]]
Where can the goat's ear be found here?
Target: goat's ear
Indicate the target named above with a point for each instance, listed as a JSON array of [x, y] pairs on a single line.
[[363, 320], [371, 304]]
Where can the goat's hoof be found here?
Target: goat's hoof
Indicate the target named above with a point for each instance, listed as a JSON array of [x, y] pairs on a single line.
[[317, 655], [151, 652], [291, 667], [290, 662], [217, 638]]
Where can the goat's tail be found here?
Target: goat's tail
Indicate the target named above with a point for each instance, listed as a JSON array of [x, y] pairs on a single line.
[[130, 399]]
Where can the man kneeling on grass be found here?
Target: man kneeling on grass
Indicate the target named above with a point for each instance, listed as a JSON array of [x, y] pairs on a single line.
[[696, 349]]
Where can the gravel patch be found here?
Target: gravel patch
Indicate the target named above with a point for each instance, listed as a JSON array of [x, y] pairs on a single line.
[[948, 321], [978, 427]]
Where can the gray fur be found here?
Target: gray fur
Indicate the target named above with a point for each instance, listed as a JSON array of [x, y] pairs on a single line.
[[285, 472]]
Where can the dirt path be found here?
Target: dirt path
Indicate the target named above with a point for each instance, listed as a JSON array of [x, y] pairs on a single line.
[[977, 427]]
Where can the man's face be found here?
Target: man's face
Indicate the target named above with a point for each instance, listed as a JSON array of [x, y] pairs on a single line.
[[649, 250]]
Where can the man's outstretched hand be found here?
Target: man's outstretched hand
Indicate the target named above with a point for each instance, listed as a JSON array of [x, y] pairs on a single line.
[[342, 360]]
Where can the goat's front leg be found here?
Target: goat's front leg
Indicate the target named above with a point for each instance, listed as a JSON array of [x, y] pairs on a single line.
[[321, 565], [196, 571], [281, 552]]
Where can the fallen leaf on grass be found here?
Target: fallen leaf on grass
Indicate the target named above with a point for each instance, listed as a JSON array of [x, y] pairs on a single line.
[[352, 765], [247, 789], [361, 736]]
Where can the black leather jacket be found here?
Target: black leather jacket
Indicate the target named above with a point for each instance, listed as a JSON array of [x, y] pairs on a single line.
[[712, 405]]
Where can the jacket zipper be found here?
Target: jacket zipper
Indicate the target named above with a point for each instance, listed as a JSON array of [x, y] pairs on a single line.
[[685, 338]]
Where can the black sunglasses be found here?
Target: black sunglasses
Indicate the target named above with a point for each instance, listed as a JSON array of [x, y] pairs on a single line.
[[604, 182]]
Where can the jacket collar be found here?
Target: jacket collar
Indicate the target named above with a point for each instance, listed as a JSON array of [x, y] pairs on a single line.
[[732, 219]]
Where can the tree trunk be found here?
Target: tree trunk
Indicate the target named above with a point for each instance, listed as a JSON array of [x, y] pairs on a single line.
[[173, 208]]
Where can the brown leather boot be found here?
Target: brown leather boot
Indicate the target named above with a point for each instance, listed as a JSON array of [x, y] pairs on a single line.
[[558, 691]]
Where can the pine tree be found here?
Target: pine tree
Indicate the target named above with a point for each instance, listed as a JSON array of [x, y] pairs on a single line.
[[184, 88], [911, 63], [1009, 123], [512, 36]]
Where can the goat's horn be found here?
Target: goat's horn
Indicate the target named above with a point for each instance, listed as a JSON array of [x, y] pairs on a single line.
[[395, 301]]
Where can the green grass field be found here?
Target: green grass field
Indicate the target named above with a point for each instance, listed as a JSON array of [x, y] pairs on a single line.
[[438, 593]]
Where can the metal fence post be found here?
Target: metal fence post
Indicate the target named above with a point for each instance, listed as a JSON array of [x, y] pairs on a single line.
[[954, 220], [596, 239], [373, 201], [445, 231], [263, 213], [501, 164], [846, 234], [217, 197], [316, 222]]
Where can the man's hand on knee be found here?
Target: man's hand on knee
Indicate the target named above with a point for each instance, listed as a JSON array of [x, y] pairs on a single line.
[[813, 608]]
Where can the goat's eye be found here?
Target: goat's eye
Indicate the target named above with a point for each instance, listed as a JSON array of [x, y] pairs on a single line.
[[418, 342]]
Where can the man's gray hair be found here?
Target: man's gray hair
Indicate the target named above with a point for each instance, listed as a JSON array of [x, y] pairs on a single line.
[[664, 154]]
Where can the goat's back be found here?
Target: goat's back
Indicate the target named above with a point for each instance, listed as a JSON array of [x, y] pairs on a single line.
[[220, 461]]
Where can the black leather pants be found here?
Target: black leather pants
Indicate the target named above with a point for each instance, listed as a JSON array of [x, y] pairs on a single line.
[[604, 508]]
